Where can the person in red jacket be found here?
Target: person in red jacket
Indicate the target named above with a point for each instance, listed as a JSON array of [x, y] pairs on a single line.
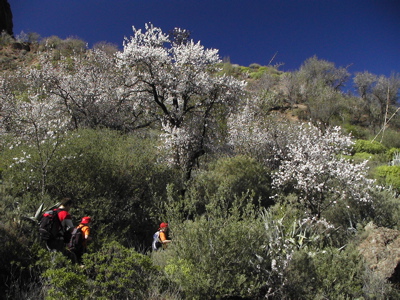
[[59, 243]]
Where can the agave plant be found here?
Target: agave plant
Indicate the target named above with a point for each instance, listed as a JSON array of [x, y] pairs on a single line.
[[39, 213]]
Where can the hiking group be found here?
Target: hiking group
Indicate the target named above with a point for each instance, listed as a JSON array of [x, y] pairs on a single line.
[[60, 235], [58, 231]]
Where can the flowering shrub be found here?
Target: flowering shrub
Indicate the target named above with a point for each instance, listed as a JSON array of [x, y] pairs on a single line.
[[308, 161], [314, 170]]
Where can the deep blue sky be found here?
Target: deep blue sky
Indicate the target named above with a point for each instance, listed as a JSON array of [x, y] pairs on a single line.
[[362, 33]]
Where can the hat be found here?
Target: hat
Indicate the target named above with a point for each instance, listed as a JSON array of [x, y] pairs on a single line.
[[163, 225], [86, 220]]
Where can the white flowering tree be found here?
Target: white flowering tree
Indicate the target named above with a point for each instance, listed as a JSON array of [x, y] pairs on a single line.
[[315, 170], [306, 161], [92, 90], [35, 118], [253, 133], [173, 81]]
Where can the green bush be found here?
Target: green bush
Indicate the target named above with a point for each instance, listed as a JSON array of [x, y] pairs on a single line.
[[329, 273], [388, 176], [361, 156], [64, 282], [226, 179], [116, 272], [216, 255], [357, 132], [369, 147], [301, 277], [113, 272], [386, 209]]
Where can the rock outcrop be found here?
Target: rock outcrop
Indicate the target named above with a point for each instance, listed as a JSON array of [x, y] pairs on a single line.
[[6, 22], [381, 250]]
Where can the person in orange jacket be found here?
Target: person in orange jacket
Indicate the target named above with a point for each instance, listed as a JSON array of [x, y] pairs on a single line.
[[85, 229], [160, 239]]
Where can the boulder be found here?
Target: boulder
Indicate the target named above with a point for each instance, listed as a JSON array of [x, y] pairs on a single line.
[[21, 46], [381, 251]]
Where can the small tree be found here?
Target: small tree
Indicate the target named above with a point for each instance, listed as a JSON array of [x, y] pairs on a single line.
[[34, 117], [314, 170]]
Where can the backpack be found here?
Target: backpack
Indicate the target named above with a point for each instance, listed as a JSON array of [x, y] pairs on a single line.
[[50, 225], [156, 241], [76, 241]]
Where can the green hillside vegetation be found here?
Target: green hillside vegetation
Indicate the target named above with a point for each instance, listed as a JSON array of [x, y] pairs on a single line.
[[267, 186]]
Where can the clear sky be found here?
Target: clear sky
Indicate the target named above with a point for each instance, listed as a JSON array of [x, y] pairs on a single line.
[[364, 34]]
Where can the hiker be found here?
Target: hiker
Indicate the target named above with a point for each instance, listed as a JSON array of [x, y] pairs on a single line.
[[58, 243], [80, 238], [160, 237]]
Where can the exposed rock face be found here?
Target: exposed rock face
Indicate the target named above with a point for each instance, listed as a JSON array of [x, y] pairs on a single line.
[[6, 23], [381, 250]]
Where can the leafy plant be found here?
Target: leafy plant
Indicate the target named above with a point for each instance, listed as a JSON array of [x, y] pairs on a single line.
[[217, 254], [388, 175], [372, 147]]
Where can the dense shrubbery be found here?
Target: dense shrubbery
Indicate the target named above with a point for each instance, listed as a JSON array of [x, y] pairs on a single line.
[[217, 254], [259, 204], [111, 272]]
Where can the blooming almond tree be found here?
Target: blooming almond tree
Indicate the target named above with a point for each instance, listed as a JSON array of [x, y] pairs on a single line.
[[306, 161], [92, 90], [314, 170], [174, 81], [35, 118]]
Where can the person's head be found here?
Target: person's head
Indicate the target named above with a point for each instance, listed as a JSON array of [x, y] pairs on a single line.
[[86, 220], [66, 203], [163, 226]]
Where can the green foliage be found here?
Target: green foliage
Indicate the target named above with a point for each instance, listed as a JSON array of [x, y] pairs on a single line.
[[327, 274], [59, 47], [216, 255], [226, 179], [386, 212], [13, 263], [301, 277], [116, 272], [347, 215], [332, 273], [63, 282], [361, 156], [388, 176], [339, 273], [253, 71], [394, 156], [113, 272], [372, 147], [114, 178], [391, 137]]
